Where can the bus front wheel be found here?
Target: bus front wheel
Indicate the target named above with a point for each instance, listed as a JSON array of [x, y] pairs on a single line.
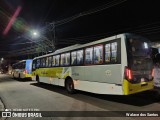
[[69, 86]]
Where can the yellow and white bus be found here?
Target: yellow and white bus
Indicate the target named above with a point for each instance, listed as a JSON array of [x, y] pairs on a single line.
[[22, 69], [119, 65]]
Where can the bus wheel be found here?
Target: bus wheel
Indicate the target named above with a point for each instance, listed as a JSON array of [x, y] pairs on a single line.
[[37, 78], [13, 76], [69, 86], [19, 77]]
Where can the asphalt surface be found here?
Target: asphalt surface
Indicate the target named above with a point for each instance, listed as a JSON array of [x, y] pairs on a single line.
[[29, 95]]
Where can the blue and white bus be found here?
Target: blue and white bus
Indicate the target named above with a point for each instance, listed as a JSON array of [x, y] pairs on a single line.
[[22, 69]]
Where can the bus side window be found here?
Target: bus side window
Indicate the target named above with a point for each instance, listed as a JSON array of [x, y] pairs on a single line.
[[41, 65], [98, 54], [62, 59], [38, 63], [89, 55], [50, 61], [57, 60], [43, 62], [67, 59], [107, 53], [79, 57], [114, 52], [46, 61], [34, 65], [73, 58], [53, 61]]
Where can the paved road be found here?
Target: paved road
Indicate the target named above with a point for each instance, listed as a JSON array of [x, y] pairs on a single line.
[[17, 94]]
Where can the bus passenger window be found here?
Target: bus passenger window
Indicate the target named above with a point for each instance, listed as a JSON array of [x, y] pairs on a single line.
[[38, 63], [46, 61], [62, 59], [57, 60], [67, 59], [53, 60], [73, 58], [114, 52], [34, 65], [107, 53], [43, 62], [50, 61], [89, 55], [98, 53], [79, 57]]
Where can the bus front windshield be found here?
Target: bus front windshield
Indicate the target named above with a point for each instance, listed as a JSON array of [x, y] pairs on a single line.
[[140, 60]]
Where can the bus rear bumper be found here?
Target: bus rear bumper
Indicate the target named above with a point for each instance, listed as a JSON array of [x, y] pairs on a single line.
[[28, 76], [130, 88]]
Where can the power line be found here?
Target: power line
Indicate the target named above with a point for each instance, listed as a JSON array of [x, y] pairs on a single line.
[[95, 10]]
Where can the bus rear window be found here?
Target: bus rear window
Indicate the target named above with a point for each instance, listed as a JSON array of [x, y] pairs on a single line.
[[139, 59], [139, 48]]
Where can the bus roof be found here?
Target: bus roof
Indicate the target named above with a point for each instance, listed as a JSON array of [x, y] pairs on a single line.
[[77, 46]]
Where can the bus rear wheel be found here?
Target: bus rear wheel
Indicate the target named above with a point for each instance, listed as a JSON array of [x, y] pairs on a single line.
[[19, 77], [37, 79], [13, 76], [70, 86]]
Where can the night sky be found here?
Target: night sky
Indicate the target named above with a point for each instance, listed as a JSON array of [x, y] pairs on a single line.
[[137, 16]]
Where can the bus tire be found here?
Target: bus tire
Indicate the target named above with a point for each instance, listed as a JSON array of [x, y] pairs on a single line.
[[19, 77], [37, 79], [13, 76], [69, 86]]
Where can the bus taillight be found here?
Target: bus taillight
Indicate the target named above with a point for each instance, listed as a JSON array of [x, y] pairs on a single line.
[[25, 72], [128, 74]]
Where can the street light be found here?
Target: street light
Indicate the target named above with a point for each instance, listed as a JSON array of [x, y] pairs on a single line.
[[2, 59], [35, 34]]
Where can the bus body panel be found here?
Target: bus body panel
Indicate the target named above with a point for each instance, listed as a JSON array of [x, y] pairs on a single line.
[[106, 73], [57, 76]]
